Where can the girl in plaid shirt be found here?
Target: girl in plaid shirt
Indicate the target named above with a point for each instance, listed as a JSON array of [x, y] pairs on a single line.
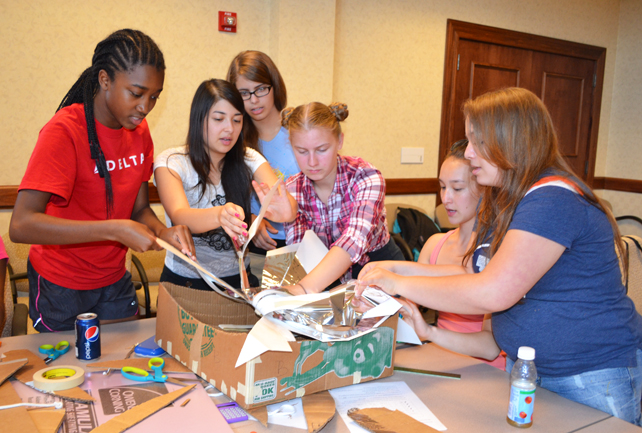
[[340, 198]]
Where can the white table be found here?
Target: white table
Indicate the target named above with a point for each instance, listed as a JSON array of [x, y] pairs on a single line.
[[475, 403]]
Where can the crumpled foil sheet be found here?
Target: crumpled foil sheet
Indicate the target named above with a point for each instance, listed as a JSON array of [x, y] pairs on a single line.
[[334, 318], [282, 270]]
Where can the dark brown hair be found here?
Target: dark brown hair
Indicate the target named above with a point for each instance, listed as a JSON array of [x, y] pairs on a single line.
[[236, 177], [259, 67]]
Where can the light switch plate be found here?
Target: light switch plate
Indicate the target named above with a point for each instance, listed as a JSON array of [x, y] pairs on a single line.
[[412, 155]]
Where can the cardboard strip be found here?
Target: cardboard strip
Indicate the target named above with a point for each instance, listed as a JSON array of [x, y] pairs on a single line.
[[319, 409], [428, 372], [8, 368], [47, 420], [34, 363], [204, 272], [16, 419], [382, 420], [138, 413]]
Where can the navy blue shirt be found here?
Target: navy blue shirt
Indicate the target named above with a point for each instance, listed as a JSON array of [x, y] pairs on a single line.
[[577, 316]]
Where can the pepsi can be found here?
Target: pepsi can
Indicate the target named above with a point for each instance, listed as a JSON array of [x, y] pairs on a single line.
[[87, 337]]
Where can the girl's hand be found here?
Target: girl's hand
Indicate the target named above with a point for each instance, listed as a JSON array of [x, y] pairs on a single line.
[[262, 238], [412, 316], [231, 219], [135, 235], [282, 207], [377, 277], [386, 264], [180, 237]]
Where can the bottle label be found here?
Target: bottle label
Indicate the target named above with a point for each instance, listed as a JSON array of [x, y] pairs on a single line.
[[520, 406]]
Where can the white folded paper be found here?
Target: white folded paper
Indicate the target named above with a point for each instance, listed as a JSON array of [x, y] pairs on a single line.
[[265, 335]]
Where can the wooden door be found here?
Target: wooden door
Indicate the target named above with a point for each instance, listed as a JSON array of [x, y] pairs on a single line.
[[565, 84], [567, 76]]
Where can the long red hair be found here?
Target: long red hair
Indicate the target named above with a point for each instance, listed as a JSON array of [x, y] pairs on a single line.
[[514, 131]]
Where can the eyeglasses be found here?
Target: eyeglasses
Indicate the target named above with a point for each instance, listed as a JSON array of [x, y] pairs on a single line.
[[259, 93]]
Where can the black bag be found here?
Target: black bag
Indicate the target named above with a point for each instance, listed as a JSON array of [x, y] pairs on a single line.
[[415, 227]]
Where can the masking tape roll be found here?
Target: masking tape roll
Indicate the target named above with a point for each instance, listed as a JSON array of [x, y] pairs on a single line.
[[58, 378]]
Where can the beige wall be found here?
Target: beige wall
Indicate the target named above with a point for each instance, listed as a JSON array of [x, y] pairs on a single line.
[[390, 61], [384, 58], [625, 132]]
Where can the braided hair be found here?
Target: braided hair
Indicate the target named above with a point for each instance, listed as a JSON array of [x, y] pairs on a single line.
[[121, 51]]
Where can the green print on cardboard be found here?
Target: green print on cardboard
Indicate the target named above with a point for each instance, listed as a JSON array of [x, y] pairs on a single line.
[[189, 325], [370, 355]]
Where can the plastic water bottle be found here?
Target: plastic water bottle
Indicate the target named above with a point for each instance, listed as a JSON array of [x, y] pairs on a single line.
[[522, 389]]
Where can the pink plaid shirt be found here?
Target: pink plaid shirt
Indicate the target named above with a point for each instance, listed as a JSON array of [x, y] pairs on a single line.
[[355, 217]]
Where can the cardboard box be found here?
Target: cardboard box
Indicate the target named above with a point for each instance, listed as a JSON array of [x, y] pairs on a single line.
[[187, 328]]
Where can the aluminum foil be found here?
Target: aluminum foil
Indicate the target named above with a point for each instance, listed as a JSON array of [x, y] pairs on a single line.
[[282, 270], [329, 316], [333, 318]]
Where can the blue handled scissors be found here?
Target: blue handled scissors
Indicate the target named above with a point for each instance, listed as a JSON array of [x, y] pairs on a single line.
[[54, 352], [140, 375]]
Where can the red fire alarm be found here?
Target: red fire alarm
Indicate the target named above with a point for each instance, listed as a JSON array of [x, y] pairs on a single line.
[[227, 22]]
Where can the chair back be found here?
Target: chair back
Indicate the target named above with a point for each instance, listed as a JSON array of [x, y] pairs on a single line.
[[633, 280], [146, 269], [15, 280], [18, 255], [5, 328], [153, 262]]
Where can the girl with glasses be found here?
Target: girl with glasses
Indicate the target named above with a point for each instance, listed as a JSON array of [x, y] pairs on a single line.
[[205, 185], [341, 198], [263, 91], [546, 258]]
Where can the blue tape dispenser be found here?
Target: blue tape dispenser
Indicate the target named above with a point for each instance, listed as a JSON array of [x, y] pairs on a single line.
[[149, 349]]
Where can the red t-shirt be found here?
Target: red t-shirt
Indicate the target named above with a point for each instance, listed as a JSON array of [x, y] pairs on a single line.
[[61, 164]]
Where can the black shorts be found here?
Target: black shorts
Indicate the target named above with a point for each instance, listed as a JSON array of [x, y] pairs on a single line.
[[54, 308], [200, 284]]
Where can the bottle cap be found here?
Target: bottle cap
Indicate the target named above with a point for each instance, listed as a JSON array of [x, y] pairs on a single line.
[[526, 353]]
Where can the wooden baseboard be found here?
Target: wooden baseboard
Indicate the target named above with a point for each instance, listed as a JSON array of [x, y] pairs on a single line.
[[418, 186], [412, 186]]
